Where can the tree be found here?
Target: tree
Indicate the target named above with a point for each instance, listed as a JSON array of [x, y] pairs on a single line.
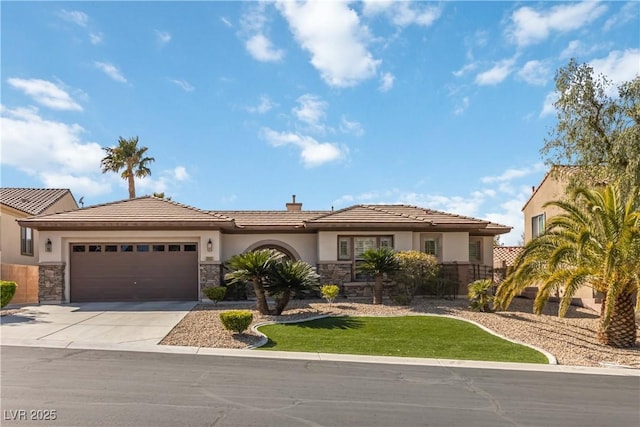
[[594, 242], [253, 267], [287, 276], [598, 130], [378, 262], [130, 158], [161, 196], [415, 269]]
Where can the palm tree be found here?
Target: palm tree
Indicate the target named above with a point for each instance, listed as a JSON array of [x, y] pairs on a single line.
[[254, 267], [595, 242], [378, 262], [128, 156], [288, 276]]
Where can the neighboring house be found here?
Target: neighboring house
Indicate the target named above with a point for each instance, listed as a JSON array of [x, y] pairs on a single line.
[[19, 245], [553, 187], [504, 258], [153, 249]]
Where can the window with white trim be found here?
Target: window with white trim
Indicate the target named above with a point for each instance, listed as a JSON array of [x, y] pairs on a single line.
[[475, 250], [537, 225], [351, 248], [431, 244]]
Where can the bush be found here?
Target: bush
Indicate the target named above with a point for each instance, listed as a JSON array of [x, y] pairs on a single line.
[[417, 269], [236, 320], [330, 292], [402, 299], [7, 291], [481, 295], [215, 293]]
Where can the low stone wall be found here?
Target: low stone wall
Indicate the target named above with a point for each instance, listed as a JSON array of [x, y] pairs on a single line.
[[210, 275], [51, 282]]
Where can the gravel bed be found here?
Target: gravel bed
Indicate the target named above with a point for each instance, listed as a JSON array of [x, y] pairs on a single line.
[[572, 340]]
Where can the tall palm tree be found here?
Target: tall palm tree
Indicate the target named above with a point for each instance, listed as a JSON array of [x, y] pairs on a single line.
[[595, 242], [128, 156], [378, 262], [288, 276], [253, 267]]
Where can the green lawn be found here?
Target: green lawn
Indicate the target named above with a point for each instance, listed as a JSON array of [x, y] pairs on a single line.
[[410, 336]]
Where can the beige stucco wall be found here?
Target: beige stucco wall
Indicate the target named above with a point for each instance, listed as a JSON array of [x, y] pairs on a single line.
[[303, 244], [550, 189], [10, 232], [61, 241]]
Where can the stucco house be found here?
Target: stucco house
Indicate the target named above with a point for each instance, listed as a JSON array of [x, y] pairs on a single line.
[[18, 245], [154, 249], [552, 187]]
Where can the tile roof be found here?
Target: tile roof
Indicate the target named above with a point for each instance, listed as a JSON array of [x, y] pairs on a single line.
[[147, 211], [32, 201], [270, 219], [508, 254]]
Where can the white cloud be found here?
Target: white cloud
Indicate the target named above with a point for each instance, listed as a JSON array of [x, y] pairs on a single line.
[[511, 214], [75, 16], [467, 68], [263, 107], [576, 48], [530, 26], [311, 110], [547, 106], [354, 128], [496, 74], [226, 22], [618, 66], [332, 33], [312, 152], [627, 13], [403, 13], [535, 73], [183, 84], [261, 49], [163, 37], [386, 82], [96, 38], [513, 173], [53, 151], [111, 71], [464, 104], [46, 93], [180, 173]]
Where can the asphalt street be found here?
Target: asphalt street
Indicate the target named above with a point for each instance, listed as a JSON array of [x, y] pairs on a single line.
[[115, 388]]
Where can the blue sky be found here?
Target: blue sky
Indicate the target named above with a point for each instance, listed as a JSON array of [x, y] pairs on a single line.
[[444, 105]]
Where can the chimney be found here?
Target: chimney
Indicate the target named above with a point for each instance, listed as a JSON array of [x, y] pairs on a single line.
[[293, 206]]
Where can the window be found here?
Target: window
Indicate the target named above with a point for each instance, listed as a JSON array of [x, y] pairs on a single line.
[[26, 241], [95, 248], [537, 225], [174, 248], [158, 248], [475, 250], [78, 248], [142, 248], [111, 248], [189, 248], [431, 246], [351, 248], [126, 248]]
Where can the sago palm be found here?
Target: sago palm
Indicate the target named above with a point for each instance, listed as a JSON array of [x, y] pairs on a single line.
[[253, 267], [595, 242], [289, 276], [128, 156], [378, 262]]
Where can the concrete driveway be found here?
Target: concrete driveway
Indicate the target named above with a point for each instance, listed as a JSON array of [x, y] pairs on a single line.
[[93, 324]]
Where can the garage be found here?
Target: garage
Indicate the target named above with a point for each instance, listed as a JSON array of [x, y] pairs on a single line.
[[137, 271]]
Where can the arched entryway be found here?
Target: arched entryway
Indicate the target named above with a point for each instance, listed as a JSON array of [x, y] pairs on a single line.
[[279, 246]]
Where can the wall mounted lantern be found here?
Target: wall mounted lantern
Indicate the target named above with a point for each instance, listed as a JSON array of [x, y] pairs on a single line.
[[209, 246], [48, 245]]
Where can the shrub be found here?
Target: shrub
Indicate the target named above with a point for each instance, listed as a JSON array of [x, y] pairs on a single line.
[[7, 291], [236, 320], [330, 292], [417, 269], [402, 299], [481, 295], [215, 293]]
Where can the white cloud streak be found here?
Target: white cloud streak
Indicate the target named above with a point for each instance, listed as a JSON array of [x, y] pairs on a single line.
[[403, 13], [163, 37], [386, 82], [46, 93], [535, 73], [311, 110], [261, 49], [336, 40], [312, 152], [496, 74], [111, 71], [183, 84], [263, 107], [351, 127], [75, 16]]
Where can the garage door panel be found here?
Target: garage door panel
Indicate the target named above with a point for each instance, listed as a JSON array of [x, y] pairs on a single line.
[[133, 276]]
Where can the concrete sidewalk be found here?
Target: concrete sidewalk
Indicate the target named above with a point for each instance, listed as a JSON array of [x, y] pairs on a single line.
[[141, 326]]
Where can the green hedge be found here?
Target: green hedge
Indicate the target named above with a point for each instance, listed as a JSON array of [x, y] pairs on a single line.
[[7, 291], [215, 293], [236, 320]]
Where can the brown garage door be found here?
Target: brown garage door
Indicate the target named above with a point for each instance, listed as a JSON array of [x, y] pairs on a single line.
[[133, 271]]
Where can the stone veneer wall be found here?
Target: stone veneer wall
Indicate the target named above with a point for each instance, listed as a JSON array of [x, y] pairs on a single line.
[[51, 282], [210, 274], [334, 273]]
